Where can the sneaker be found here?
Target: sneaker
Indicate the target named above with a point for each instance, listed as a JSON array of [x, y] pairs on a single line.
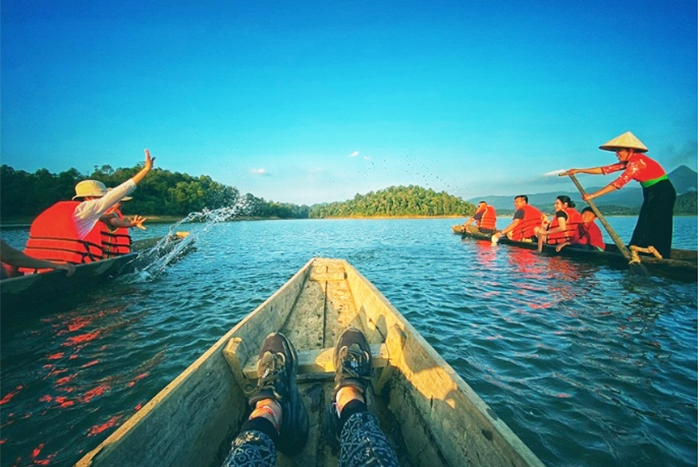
[[277, 374], [353, 367], [353, 361]]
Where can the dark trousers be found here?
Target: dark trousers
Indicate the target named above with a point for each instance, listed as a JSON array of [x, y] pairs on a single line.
[[655, 224], [362, 444]]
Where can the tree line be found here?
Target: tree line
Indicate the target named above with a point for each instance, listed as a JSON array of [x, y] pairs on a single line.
[[396, 201], [163, 192]]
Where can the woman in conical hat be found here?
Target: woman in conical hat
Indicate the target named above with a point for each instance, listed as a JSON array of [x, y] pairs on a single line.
[[655, 223]]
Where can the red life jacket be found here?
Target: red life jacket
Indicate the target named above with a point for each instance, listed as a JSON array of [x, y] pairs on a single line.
[[115, 242], [590, 234], [526, 227], [572, 224], [488, 219], [53, 237]]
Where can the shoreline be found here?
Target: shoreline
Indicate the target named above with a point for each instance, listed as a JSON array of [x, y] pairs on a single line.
[[24, 222]]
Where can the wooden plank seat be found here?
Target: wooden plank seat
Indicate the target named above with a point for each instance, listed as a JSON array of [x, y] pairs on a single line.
[[313, 364]]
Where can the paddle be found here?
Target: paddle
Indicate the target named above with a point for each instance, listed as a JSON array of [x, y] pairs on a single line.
[[637, 268]]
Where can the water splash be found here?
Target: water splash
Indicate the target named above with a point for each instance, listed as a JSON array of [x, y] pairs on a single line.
[[178, 243]]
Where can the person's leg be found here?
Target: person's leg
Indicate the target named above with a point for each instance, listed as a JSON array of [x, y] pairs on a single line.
[[254, 445], [362, 443], [279, 418]]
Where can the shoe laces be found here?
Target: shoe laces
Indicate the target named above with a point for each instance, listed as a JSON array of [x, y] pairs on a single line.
[[270, 367], [355, 362]]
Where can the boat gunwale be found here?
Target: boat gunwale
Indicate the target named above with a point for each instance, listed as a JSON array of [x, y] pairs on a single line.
[[118, 435], [685, 269]]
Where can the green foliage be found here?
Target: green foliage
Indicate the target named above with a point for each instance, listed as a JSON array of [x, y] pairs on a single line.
[[162, 192], [395, 202], [687, 204]]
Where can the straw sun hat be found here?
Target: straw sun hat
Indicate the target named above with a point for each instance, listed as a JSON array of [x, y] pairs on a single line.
[[90, 188], [624, 141]]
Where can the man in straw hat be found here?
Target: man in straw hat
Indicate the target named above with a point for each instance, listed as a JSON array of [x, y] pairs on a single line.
[[655, 224], [68, 231]]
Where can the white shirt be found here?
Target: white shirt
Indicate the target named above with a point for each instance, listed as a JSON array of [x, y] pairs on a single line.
[[88, 213]]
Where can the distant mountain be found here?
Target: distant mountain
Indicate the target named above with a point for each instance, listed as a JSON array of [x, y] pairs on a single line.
[[684, 179]]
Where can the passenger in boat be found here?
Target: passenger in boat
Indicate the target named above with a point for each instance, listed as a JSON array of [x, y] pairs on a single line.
[[68, 231], [485, 217], [589, 236], [525, 219], [116, 240], [655, 223], [279, 419], [12, 259], [564, 225]]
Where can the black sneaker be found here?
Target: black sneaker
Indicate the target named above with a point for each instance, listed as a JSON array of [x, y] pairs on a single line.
[[277, 374], [353, 361], [353, 367]]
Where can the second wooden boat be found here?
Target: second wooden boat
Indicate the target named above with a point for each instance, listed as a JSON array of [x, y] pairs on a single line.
[[19, 295], [682, 265], [431, 416]]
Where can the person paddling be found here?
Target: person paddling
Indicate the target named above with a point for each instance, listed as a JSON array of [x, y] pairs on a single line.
[[655, 223]]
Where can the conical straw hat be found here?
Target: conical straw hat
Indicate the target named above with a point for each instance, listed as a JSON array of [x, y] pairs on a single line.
[[91, 188], [624, 141]]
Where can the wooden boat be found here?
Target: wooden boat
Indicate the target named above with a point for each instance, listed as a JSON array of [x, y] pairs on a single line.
[[18, 294], [682, 265], [429, 413]]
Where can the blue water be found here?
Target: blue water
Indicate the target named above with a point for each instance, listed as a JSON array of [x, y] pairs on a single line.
[[590, 366]]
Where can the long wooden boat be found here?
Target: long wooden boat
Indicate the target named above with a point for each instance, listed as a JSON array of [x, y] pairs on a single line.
[[682, 265], [18, 294], [430, 414]]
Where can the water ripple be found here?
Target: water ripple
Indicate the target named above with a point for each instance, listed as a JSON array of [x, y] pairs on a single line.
[[588, 365]]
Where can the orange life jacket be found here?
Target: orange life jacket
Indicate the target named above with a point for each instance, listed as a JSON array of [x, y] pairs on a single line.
[[115, 242], [53, 237], [572, 224], [488, 219], [526, 227]]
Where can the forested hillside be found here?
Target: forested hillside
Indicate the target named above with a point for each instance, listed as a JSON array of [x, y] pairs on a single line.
[[162, 192], [395, 202]]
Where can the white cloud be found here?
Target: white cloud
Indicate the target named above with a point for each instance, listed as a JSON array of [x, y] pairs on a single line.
[[367, 158], [259, 172], [355, 154]]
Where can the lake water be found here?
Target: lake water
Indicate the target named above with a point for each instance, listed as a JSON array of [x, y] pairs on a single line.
[[589, 366]]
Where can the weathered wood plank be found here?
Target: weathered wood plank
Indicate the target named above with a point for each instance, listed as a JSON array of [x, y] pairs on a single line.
[[319, 362]]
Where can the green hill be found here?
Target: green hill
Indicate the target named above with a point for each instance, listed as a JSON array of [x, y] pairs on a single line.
[[396, 201]]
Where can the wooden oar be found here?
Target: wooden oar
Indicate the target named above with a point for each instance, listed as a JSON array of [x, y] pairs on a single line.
[[636, 267]]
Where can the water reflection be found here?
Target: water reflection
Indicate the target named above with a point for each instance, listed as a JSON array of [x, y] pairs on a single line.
[[587, 364]]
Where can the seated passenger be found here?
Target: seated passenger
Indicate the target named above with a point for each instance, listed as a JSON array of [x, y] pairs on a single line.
[[564, 225], [485, 217], [67, 232], [116, 240], [525, 219], [589, 236]]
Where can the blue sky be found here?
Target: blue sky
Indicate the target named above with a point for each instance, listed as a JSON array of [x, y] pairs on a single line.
[[316, 101]]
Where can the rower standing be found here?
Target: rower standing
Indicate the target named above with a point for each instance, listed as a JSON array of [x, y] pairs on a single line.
[[655, 224]]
